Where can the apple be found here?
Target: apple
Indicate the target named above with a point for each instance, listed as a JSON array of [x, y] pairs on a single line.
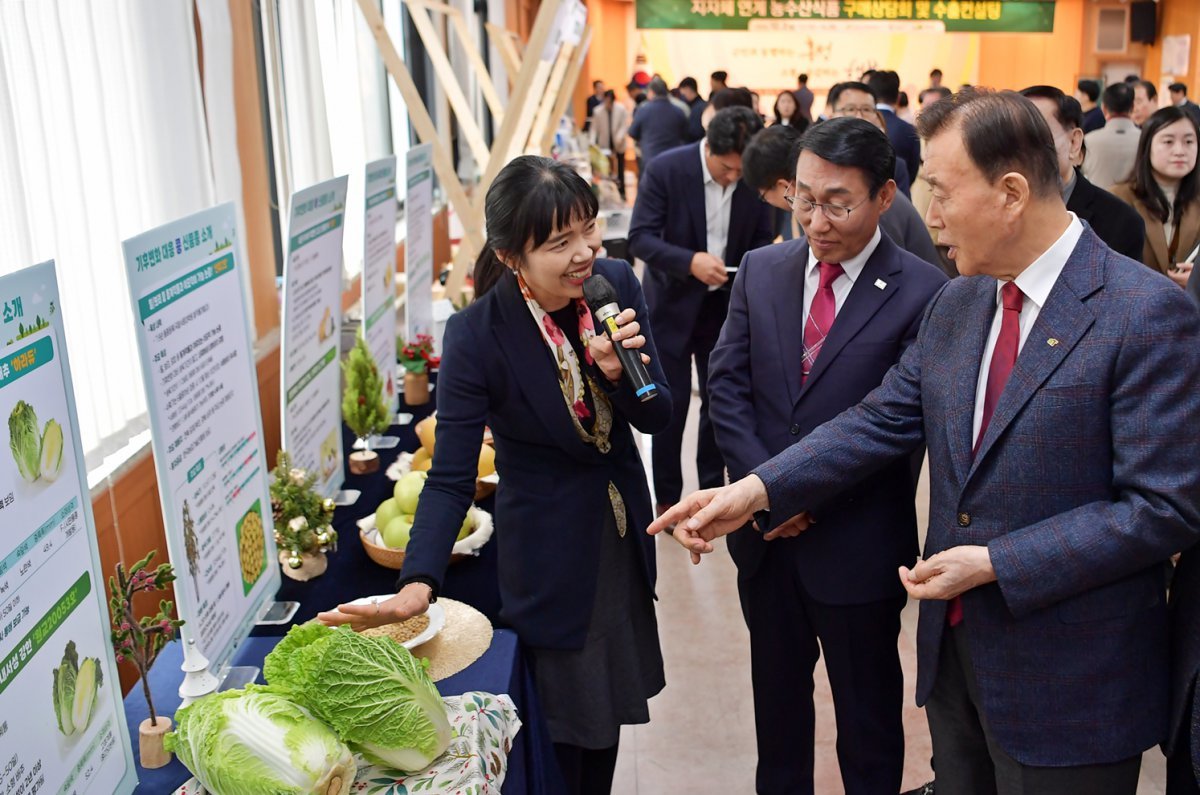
[[386, 512], [408, 491], [468, 525], [397, 532]]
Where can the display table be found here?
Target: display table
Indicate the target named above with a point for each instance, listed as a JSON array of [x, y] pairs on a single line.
[[500, 670], [351, 574]]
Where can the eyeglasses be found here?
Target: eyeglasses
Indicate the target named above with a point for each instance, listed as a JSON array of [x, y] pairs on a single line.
[[834, 212], [855, 110]]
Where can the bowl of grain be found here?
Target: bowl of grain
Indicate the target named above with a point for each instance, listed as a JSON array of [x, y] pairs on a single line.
[[412, 632]]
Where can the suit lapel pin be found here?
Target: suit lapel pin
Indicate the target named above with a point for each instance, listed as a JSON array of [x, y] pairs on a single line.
[[1052, 342], [880, 283]]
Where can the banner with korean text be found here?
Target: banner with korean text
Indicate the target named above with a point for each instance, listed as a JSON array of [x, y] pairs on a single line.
[[201, 383], [312, 330], [62, 721], [379, 273]]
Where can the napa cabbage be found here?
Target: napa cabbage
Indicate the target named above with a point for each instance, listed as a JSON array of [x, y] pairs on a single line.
[[371, 691], [256, 742], [25, 440]]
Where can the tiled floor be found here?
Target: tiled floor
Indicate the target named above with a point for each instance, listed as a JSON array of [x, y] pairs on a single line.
[[700, 739]]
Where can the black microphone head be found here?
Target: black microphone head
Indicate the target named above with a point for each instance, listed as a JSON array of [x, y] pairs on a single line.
[[598, 291]]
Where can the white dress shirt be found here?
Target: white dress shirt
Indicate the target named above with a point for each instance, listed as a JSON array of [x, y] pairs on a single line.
[[718, 202], [844, 283], [1035, 283]]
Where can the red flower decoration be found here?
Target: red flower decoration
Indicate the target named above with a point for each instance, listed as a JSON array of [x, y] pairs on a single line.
[[362, 400], [556, 336], [581, 410]]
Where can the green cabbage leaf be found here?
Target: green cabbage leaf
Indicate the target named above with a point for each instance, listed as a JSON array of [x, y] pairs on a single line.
[[256, 742], [371, 690]]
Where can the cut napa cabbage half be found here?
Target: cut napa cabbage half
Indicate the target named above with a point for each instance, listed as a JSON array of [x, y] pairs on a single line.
[[52, 451], [256, 742]]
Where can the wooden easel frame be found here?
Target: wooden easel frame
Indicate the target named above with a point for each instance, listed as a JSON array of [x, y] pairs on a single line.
[[516, 130], [419, 11], [565, 90], [508, 44]]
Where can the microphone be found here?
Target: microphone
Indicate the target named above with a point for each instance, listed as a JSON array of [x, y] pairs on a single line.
[[601, 298]]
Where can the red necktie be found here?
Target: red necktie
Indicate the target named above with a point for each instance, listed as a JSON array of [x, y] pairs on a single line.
[[820, 317], [1004, 358]]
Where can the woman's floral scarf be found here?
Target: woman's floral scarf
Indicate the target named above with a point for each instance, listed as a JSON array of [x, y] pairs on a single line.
[[575, 383]]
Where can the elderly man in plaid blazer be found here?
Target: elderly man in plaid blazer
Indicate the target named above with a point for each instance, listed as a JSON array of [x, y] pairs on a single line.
[[1057, 392]]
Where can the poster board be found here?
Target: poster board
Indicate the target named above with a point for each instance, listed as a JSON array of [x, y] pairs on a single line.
[[52, 599], [418, 241], [310, 379], [379, 273], [194, 342]]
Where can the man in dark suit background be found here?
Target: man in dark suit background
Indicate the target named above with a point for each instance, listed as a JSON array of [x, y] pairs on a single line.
[[1087, 93], [689, 91], [1113, 221], [1042, 648], [1183, 743], [692, 217], [594, 99], [804, 97], [885, 85], [811, 330], [657, 124], [851, 98], [1179, 97]]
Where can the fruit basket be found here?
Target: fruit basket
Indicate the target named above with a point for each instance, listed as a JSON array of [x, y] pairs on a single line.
[[422, 458], [391, 558]]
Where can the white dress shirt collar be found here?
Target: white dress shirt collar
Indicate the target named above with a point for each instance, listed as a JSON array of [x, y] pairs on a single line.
[[853, 266], [1038, 279]]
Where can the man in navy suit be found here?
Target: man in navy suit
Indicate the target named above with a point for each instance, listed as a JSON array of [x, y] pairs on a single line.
[[657, 124], [1057, 392], [885, 85], [858, 299], [693, 215]]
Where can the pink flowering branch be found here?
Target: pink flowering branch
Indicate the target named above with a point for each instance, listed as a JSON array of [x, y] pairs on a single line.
[[140, 640]]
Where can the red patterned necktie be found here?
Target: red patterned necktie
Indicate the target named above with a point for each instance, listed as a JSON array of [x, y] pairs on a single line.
[[1004, 358], [820, 316]]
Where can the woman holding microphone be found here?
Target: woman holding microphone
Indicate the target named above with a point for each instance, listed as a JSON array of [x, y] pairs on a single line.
[[576, 570]]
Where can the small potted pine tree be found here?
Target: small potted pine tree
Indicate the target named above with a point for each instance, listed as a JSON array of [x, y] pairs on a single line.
[[139, 640], [363, 408], [303, 521]]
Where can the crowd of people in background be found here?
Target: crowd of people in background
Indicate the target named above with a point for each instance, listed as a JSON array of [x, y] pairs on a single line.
[[866, 206]]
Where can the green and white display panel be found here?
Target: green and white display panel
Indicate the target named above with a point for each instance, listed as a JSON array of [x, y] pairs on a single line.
[[379, 273], [312, 327], [418, 241], [201, 385], [62, 722]]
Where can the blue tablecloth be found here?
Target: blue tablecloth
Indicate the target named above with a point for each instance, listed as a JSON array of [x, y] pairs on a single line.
[[500, 670]]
